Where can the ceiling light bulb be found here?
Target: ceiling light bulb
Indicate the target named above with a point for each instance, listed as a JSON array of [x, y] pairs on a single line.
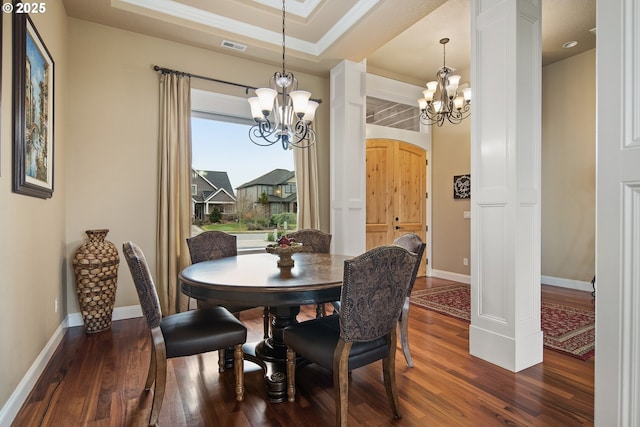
[[266, 96], [256, 111], [300, 98]]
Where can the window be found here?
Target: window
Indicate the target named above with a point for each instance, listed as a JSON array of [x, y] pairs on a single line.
[[194, 189], [221, 150]]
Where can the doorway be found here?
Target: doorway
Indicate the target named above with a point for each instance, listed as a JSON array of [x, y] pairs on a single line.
[[396, 201]]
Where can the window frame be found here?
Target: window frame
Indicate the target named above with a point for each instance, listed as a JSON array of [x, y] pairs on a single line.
[[226, 108]]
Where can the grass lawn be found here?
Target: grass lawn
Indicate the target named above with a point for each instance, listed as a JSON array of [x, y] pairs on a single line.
[[226, 227], [236, 228]]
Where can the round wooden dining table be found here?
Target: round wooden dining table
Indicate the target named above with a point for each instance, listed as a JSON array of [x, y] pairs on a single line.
[[256, 279]]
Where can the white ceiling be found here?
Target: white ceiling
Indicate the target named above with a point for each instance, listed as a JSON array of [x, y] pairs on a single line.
[[399, 38]]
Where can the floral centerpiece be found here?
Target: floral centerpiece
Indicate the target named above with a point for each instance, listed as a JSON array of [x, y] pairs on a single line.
[[284, 248]]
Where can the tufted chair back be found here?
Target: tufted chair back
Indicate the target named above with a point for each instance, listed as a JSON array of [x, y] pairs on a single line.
[[211, 245], [313, 240], [373, 291], [414, 244], [144, 283]]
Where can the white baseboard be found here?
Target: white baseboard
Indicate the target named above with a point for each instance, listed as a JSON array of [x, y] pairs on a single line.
[[28, 382], [566, 283], [545, 280], [119, 313], [456, 277]]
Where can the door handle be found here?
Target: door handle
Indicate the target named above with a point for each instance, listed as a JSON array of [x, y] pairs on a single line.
[[398, 227]]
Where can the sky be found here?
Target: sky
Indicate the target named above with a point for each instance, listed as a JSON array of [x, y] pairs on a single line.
[[38, 65], [226, 147]]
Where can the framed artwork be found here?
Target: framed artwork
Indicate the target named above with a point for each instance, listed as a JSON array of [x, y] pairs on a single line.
[[33, 71], [462, 186]]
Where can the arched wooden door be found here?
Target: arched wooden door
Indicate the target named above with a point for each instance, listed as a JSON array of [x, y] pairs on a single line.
[[396, 191]]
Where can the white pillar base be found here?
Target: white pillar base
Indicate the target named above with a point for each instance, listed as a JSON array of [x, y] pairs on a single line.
[[506, 352]]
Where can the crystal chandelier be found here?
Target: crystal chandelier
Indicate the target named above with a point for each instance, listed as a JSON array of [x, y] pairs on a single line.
[[281, 113], [448, 104]]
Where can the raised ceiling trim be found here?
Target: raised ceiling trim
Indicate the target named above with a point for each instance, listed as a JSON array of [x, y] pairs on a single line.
[[299, 8], [171, 8]]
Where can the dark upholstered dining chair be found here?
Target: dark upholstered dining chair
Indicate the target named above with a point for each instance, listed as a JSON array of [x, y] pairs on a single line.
[[182, 334], [414, 244], [212, 245], [315, 241], [374, 289], [312, 240]]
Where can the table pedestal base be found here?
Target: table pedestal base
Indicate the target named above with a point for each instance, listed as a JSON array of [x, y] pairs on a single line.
[[271, 354], [275, 376]]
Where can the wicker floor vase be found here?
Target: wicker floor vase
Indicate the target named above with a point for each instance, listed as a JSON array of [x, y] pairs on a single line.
[[95, 265]]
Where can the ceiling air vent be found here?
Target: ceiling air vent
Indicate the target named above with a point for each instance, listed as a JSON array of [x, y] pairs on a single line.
[[233, 45]]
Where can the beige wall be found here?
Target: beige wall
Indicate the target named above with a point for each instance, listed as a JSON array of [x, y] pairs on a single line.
[[451, 232], [568, 168], [32, 230], [568, 177], [113, 138]]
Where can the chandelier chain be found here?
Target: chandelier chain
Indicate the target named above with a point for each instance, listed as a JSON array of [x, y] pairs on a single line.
[[444, 55], [283, 37], [282, 113]]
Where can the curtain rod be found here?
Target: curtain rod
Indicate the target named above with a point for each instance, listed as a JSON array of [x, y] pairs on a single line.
[[164, 70]]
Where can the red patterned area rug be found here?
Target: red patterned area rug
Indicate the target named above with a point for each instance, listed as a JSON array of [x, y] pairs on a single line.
[[567, 330]]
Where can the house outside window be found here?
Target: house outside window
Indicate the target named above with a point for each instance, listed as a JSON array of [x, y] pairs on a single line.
[[213, 191], [275, 185]]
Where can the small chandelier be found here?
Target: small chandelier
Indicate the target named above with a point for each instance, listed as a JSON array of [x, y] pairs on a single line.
[[283, 114], [448, 104]]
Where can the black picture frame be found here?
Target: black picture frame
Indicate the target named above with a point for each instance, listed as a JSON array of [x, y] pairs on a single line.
[[462, 186], [33, 96]]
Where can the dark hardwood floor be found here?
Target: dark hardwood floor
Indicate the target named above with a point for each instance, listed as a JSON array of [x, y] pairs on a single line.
[[97, 380]]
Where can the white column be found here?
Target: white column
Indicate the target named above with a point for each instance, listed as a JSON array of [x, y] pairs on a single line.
[[348, 157], [505, 174], [617, 373]]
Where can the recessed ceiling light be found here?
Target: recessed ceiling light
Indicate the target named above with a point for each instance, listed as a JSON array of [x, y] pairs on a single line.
[[569, 45]]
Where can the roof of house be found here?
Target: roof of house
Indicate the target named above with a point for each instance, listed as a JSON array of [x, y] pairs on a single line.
[[212, 187], [275, 177], [218, 179]]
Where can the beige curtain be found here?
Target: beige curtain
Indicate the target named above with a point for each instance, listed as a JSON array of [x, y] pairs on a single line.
[[306, 164], [174, 189]]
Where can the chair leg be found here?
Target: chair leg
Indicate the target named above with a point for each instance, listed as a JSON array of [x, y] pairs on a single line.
[[341, 381], [389, 373], [151, 374], [404, 333], [291, 375], [221, 360], [160, 375], [320, 310], [238, 367]]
